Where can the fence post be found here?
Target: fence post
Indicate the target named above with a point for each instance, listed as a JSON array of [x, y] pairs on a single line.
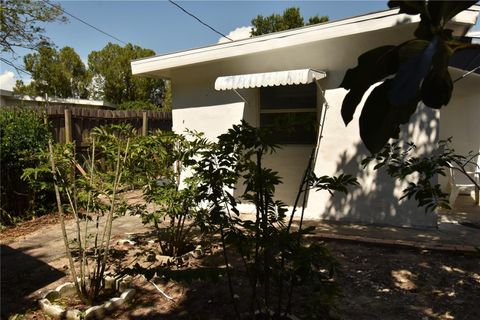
[[144, 123], [68, 125]]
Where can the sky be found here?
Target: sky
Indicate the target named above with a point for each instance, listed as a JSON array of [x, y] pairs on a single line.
[[164, 28]]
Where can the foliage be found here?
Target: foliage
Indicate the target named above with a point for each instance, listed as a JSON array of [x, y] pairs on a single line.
[[93, 198], [290, 19], [22, 25], [164, 158], [56, 73], [167, 98], [139, 105], [400, 164], [112, 76], [271, 252], [22, 134], [419, 68]]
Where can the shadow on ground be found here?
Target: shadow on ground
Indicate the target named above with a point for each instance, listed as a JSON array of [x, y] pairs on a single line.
[[22, 275]]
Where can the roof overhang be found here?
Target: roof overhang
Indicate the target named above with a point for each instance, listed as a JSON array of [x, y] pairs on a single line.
[[161, 66], [268, 79]]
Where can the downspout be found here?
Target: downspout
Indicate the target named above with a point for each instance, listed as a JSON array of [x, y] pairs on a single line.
[[325, 107]]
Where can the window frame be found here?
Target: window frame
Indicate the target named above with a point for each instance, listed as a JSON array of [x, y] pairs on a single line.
[[315, 109]]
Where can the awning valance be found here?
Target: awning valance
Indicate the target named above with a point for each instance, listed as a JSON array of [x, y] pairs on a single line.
[[268, 79]]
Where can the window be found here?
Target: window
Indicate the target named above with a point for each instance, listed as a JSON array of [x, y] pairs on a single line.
[[293, 109]]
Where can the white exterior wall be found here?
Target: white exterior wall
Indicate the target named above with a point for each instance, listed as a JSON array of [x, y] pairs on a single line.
[[196, 105], [461, 118]]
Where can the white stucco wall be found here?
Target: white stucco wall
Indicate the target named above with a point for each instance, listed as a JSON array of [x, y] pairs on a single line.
[[196, 105], [460, 119]]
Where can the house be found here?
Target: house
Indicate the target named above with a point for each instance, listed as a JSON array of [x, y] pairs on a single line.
[[297, 73], [9, 98]]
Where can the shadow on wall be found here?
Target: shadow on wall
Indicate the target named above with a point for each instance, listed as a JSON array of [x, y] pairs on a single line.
[[377, 200]]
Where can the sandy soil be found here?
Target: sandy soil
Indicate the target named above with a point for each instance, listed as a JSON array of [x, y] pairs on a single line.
[[377, 282]]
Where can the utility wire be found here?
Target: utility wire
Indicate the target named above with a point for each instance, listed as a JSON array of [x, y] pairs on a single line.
[[466, 74], [83, 21], [17, 68], [198, 19]]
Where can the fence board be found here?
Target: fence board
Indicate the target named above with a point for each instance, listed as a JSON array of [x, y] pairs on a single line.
[[85, 119]]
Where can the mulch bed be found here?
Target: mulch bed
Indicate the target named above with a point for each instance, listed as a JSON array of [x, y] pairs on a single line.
[[377, 282]]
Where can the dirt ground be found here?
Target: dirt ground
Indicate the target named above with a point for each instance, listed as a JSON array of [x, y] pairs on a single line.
[[377, 282]]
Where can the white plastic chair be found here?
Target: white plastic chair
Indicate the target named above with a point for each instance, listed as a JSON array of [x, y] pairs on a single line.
[[458, 182]]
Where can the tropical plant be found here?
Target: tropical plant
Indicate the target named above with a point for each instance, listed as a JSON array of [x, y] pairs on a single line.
[[414, 71], [420, 172], [164, 160], [273, 253], [94, 199]]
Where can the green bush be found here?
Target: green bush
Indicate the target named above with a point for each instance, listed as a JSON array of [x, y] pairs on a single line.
[[139, 105], [22, 135]]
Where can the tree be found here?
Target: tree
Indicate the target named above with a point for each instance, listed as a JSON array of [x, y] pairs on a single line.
[[22, 25], [290, 19], [416, 70], [112, 76], [56, 73]]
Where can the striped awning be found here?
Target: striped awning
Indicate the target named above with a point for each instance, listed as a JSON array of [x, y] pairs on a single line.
[[268, 79]]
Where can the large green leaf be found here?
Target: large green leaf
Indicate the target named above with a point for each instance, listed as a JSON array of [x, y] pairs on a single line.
[[409, 7], [448, 9], [437, 86], [380, 120], [411, 73], [436, 89], [373, 66]]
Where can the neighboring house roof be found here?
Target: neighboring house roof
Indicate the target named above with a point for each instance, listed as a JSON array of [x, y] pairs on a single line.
[[160, 66], [10, 96]]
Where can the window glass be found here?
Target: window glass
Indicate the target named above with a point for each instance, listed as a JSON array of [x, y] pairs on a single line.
[[293, 127], [286, 97]]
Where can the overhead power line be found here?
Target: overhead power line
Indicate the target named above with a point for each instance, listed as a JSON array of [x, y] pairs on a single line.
[[198, 19], [82, 21], [17, 68]]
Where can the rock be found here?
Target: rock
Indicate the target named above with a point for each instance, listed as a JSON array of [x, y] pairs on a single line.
[[109, 282], [126, 242], [52, 295], [123, 285], [53, 310], [73, 314], [117, 302], [95, 312], [163, 259], [109, 306], [128, 294], [66, 289], [43, 302], [197, 253]]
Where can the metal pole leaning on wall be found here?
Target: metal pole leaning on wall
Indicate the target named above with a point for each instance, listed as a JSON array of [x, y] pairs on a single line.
[[68, 125], [144, 123]]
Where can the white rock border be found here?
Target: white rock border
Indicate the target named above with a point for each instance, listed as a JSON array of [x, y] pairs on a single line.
[[56, 311]]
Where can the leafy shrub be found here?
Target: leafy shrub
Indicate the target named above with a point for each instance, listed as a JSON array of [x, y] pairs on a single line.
[[22, 134], [162, 159], [139, 105], [275, 257]]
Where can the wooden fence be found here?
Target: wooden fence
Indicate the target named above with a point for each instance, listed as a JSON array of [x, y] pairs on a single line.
[[75, 124]]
